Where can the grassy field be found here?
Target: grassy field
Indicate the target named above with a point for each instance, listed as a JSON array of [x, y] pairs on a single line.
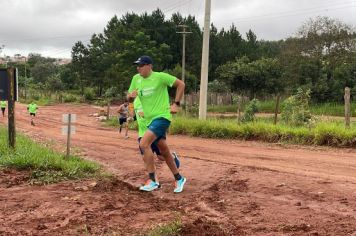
[[326, 109], [321, 133], [44, 164]]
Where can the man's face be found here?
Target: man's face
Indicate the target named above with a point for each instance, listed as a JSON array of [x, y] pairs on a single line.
[[144, 70], [126, 104]]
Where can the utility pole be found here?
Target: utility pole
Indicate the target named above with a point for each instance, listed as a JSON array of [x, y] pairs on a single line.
[[1, 48], [205, 63], [25, 79], [184, 32], [11, 105]]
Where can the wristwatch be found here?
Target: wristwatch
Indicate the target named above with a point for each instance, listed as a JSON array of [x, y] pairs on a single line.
[[177, 103]]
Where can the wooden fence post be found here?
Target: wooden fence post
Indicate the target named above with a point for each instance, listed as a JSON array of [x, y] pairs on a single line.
[[239, 98], [347, 107], [11, 107], [276, 109]]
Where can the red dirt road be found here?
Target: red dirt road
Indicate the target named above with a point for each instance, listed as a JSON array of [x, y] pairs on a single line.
[[233, 187]]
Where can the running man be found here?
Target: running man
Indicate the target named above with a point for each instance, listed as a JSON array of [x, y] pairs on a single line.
[[152, 89], [123, 115], [32, 108], [3, 105], [142, 128]]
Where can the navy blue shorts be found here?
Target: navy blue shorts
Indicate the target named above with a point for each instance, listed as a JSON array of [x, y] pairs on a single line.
[[154, 147], [159, 127]]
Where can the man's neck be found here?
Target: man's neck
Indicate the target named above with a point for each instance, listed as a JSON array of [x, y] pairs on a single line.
[[148, 75]]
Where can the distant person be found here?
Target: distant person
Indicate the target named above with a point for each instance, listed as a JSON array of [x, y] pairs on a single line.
[[152, 89], [123, 116], [3, 105], [32, 109], [142, 128]]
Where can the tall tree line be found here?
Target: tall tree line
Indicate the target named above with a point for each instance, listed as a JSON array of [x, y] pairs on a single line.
[[106, 61], [320, 57]]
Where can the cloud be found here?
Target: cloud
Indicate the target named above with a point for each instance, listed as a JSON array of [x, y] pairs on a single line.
[[51, 27]]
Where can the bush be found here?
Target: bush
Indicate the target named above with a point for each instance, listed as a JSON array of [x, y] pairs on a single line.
[[70, 98], [89, 94], [251, 109], [295, 109]]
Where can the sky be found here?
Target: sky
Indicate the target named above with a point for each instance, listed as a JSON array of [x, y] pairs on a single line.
[[52, 27]]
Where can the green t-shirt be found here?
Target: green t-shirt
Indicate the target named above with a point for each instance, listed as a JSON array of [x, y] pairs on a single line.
[[153, 94], [32, 108], [141, 121], [3, 104]]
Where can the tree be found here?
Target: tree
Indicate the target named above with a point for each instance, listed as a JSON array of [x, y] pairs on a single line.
[[80, 55], [252, 77], [329, 44]]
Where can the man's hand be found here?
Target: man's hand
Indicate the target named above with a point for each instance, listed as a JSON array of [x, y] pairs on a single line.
[[141, 114], [131, 96], [174, 108]]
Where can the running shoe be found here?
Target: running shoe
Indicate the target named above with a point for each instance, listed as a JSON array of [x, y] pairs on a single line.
[[179, 184], [149, 186], [176, 159]]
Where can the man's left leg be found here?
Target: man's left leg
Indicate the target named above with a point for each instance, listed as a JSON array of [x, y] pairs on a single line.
[[165, 152]]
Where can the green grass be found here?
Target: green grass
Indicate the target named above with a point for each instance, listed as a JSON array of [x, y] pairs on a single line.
[[45, 165], [172, 228], [331, 109], [330, 134], [327, 109]]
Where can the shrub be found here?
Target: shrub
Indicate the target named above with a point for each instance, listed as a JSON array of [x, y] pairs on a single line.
[[69, 98], [89, 94], [251, 109], [295, 109]]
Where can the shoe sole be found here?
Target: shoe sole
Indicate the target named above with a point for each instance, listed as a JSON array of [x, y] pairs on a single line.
[[146, 190]]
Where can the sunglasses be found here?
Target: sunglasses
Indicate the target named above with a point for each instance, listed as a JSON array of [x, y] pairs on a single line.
[[141, 65]]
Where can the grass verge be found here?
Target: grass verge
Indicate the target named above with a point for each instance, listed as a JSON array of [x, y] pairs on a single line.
[[45, 165], [328, 134], [322, 133]]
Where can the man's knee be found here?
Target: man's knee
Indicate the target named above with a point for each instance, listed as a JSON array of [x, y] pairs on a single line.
[[163, 148], [144, 146]]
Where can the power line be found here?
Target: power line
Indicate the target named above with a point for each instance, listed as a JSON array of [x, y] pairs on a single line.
[[293, 13], [175, 6]]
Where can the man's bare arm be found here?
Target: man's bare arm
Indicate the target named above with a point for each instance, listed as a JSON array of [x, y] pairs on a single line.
[[180, 86]]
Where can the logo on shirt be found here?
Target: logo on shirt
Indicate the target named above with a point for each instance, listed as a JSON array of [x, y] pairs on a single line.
[[147, 92]]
